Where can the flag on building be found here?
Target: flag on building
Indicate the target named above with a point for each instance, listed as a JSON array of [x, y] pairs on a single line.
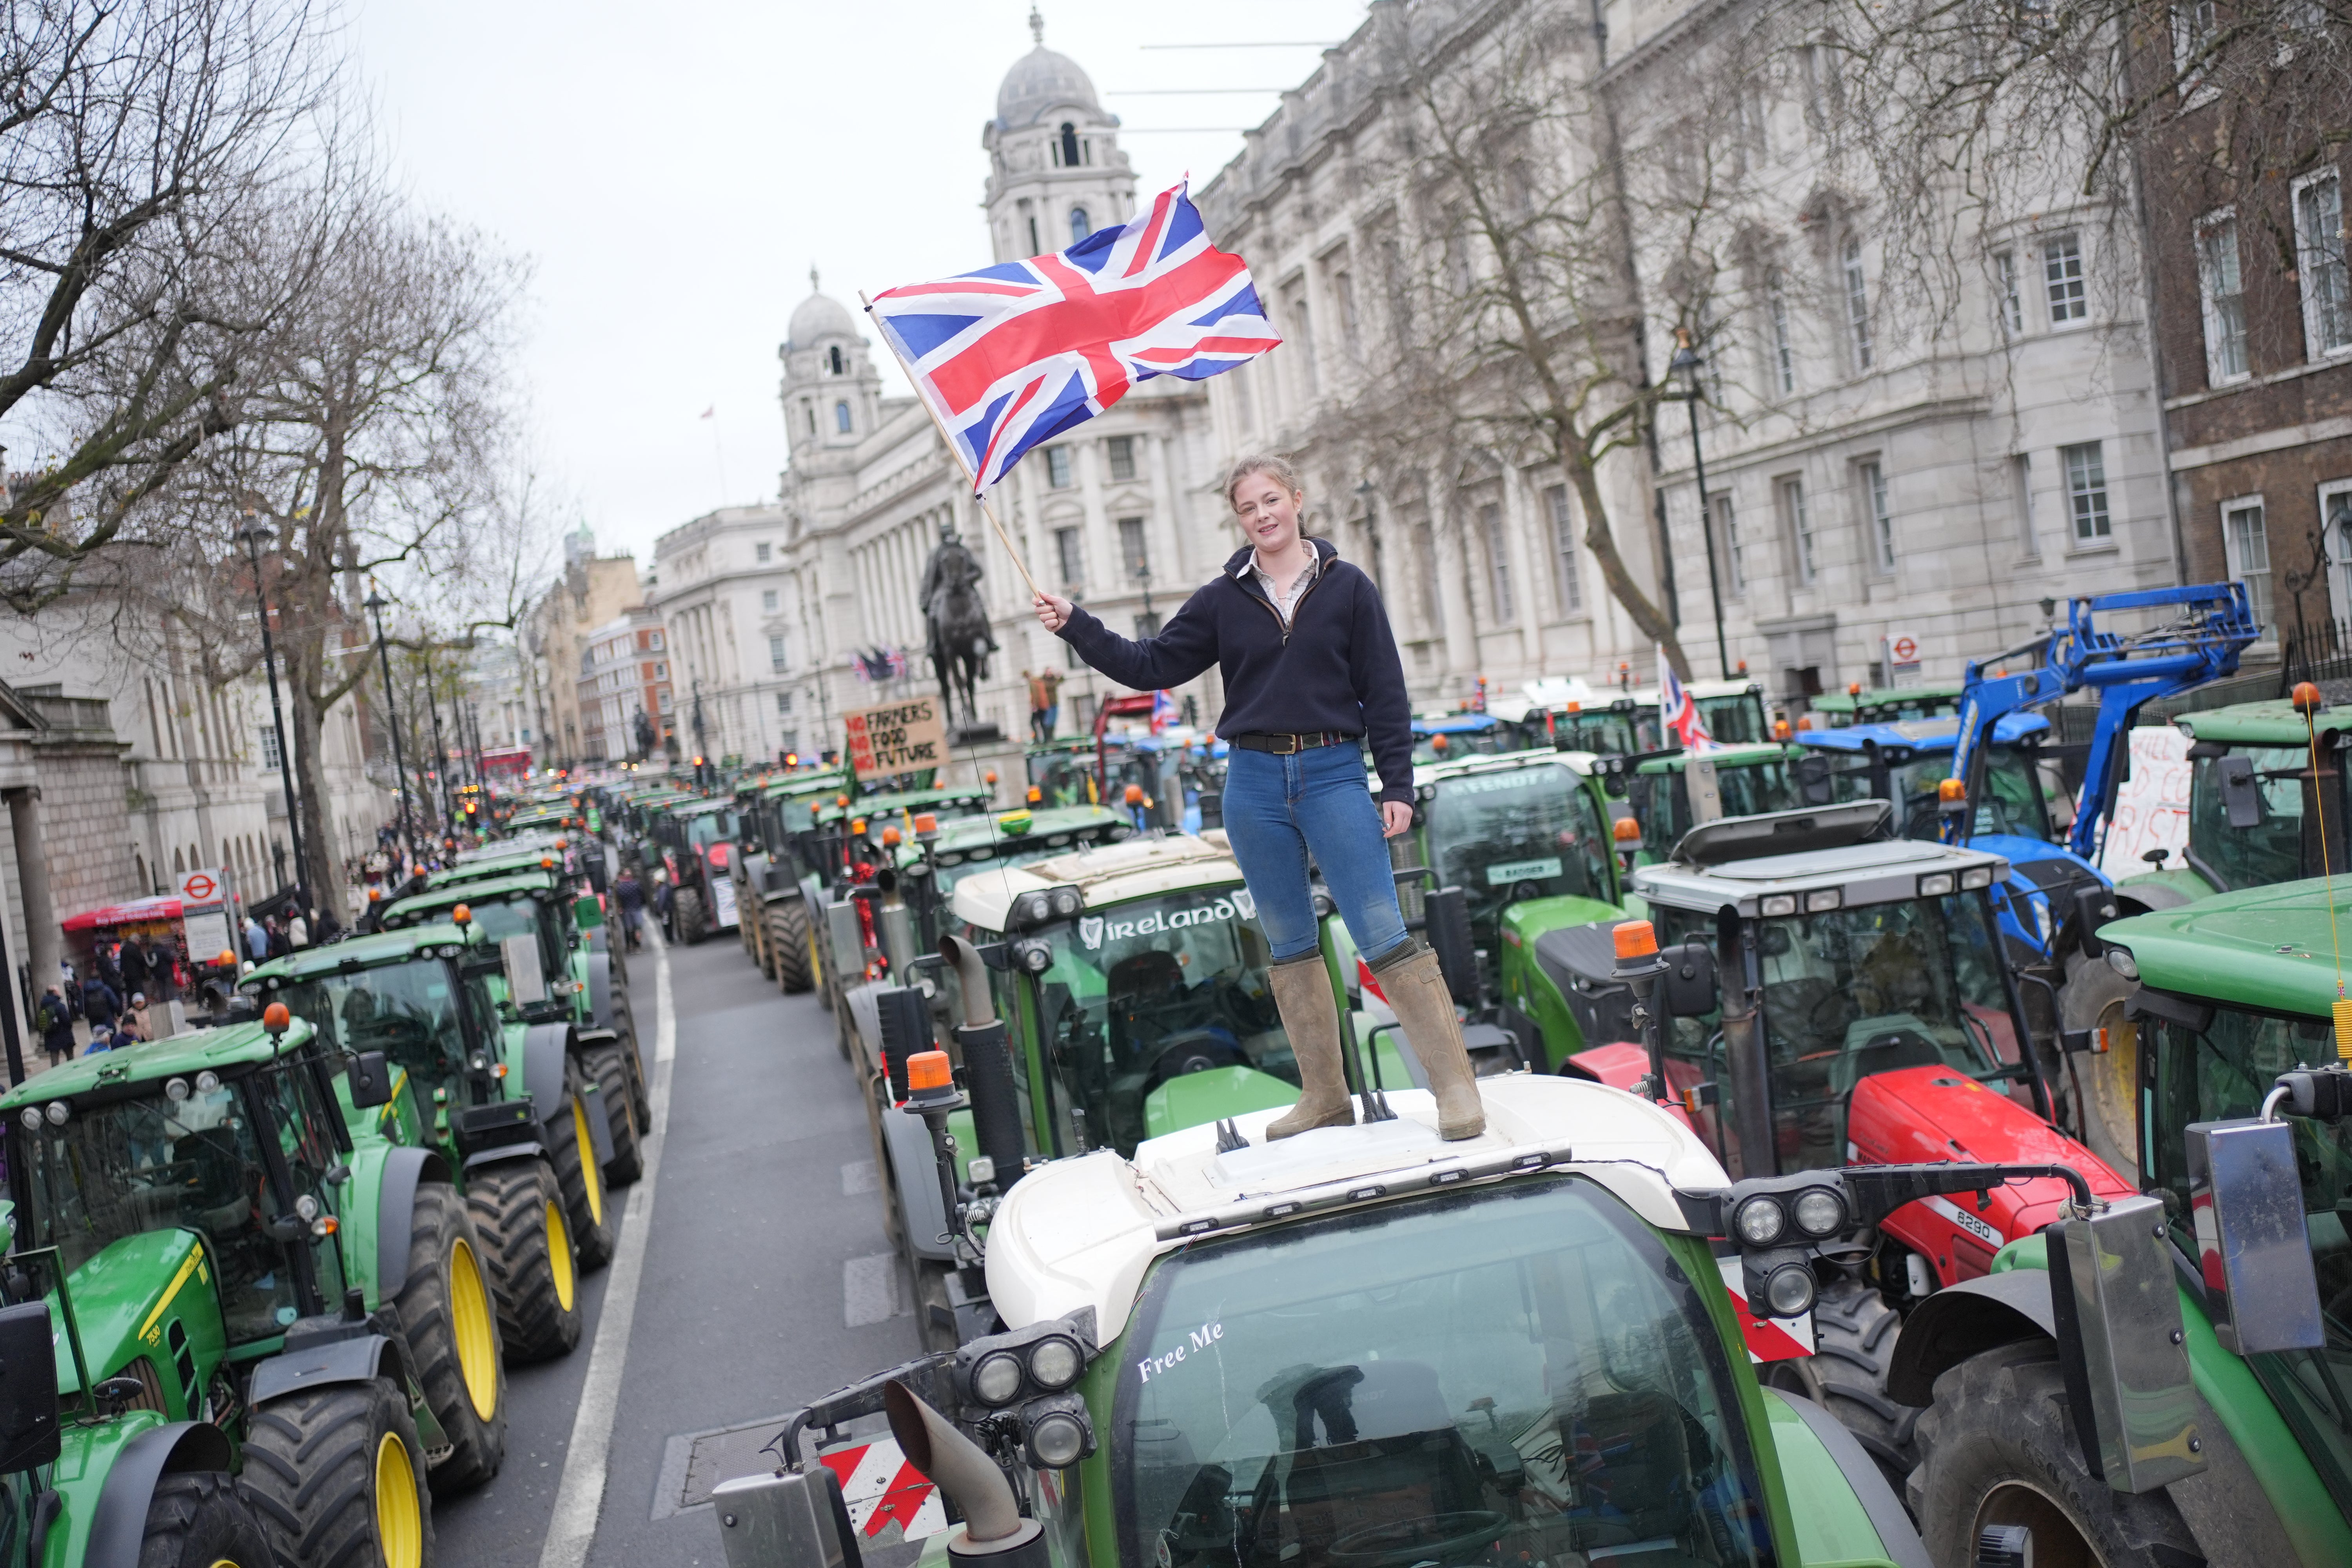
[[1013, 355], [1678, 709]]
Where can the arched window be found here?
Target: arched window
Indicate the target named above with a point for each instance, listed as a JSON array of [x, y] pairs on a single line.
[[833, 353], [1069, 146], [841, 416], [1079, 229]]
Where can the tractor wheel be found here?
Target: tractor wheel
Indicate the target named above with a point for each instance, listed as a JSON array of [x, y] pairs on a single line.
[[687, 914], [337, 1475], [2092, 998], [1854, 1341], [616, 955], [446, 1312], [788, 939], [595, 1221], [610, 1063], [1996, 1449], [526, 1243], [199, 1519]]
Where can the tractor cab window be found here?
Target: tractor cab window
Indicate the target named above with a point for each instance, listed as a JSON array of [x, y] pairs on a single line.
[[1062, 778], [2015, 796], [1444, 745], [1610, 734], [1143, 996], [408, 1011], [305, 1138], [1662, 799], [1518, 833], [2272, 851], [712, 827], [1736, 721], [118, 1171], [1511, 1374]]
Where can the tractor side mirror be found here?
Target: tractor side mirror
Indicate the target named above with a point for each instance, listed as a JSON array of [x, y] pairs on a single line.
[[2242, 801], [1690, 988], [792, 1519], [370, 1078], [1448, 913], [2094, 906], [2120, 1345], [526, 980], [2245, 1207], [29, 1432], [1813, 778]]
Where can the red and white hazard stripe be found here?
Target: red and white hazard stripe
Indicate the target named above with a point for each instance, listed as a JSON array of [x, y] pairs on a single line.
[[882, 1490], [1769, 1339]]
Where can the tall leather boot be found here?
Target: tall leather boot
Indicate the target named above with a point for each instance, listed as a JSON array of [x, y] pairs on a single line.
[[1302, 992], [1417, 991]]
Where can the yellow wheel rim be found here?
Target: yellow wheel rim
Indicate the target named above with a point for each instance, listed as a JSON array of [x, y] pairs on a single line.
[[589, 1173], [469, 1319], [559, 1255], [399, 1523]]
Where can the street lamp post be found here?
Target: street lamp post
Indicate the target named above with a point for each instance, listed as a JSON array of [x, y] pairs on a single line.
[[375, 603], [440, 752], [1687, 361], [701, 754], [252, 534]]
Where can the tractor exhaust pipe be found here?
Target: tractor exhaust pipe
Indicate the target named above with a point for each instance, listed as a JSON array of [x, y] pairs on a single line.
[[987, 1065], [972, 977], [992, 1527]]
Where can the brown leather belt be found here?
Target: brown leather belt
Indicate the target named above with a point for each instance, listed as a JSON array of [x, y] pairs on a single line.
[[1291, 745]]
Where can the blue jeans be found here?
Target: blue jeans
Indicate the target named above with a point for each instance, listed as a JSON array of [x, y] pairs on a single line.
[[1278, 811]]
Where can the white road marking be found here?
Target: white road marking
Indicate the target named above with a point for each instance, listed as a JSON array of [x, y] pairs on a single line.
[[571, 1528], [869, 1289], [860, 1176]]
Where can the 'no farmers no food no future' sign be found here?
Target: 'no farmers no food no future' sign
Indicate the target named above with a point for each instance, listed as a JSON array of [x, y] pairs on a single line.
[[898, 738]]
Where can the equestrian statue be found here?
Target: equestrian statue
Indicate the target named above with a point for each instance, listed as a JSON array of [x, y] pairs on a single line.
[[958, 622]]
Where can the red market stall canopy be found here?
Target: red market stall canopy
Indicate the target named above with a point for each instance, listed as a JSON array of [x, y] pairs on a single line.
[[136, 913]]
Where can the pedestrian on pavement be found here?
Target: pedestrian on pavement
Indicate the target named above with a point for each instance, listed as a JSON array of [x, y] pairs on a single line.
[[666, 905], [298, 931], [278, 947], [630, 895], [53, 1021], [99, 1005], [256, 939], [133, 964], [133, 1029], [328, 926], [109, 970], [1311, 676]]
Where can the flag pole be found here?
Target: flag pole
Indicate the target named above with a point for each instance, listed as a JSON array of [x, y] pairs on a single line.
[[954, 451]]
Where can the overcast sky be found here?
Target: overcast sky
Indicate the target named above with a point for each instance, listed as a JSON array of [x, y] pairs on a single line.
[[673, 171]]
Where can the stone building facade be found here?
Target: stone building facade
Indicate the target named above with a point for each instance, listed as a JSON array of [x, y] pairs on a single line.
[[624, 674], [592, 591]]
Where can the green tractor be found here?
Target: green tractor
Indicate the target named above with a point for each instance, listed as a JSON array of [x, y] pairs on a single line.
[[583, 969], [849, 853], [1671, 793], [1860, 704], [932, 862], [239, 1284], [430, 998]]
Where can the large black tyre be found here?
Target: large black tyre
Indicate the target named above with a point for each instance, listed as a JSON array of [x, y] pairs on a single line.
[[200, 1519], [595, 1218], [2092, 998], [1996, 1447], [338, 1477], [788, 938], [610, 1063], [527, 1242], [447, 1311], [1854, 1341], [686, 915]]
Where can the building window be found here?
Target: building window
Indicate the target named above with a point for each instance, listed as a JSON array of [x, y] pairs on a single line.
[[809, 411], [1498, 562], [762, 552], [768, 600], [2086, 490], [2021, 482], [1343, 289], [1080, 227], [269, 748], [1735, 551], [2336, 535], [2062, 278], [1058, 467], [1776, 312], [1069, 551], [783, 705], [1857, 304], [1068, 148], [1797, 521], [655, 641], [2224, 299], [2194, 27], [2319, 240], [1134, 554], [1036, 244], [832, 359], [841, 417], [1563, 547], [2008, 305], [1122, 457], [2248, 547], [1872, 479]]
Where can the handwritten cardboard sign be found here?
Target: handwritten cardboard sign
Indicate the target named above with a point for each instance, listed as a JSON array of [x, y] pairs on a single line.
[[895, 738]]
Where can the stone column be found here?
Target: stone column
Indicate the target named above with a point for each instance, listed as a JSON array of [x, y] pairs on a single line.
[[44, 943]]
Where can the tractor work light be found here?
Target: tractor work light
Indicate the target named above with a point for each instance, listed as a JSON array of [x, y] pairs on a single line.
[[207, 1081], [1936, 884], [1789, 1291], [1033, 957], [1060, 1434], [996, 1379], [1067, 902], [1822, 898], [1976, 877], [58, 1111], [31, 1116], [175, 1089], [1820, 1212], [2120, 959], [1055, 1363], [1759, 1221], [1773, 904]]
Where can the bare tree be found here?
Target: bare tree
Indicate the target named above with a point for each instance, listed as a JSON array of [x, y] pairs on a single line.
[[139, 142]]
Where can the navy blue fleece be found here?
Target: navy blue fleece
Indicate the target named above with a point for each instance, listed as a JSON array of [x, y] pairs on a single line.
[[1337, 670]]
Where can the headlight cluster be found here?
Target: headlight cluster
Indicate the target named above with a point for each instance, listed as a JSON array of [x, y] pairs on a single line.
[[1032, 956], [1031, 910], [1031, 1373], [1779, 1224]]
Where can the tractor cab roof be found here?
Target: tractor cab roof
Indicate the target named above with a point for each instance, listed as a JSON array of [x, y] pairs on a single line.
[[1448, 723], [1555, 694], [1084, 1232], [2267, 948], [2272, 723], [1915, 735], [235, 1046], [1024, 828], [1427, 776], [1871, 703], [1746, 754], [1107, 874], [800, 783], [1705, 690], [972, 796], [542, 857], [424, 905], [1823, 858], [357, 952]]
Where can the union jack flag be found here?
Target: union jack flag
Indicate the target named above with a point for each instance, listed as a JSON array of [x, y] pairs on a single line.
[[1678, 709], [1013, 355]]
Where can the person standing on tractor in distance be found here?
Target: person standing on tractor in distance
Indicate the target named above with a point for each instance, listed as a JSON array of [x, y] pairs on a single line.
[[1311, 673]]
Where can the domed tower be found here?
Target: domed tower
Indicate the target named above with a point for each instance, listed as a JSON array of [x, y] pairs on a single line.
[[1056, 173], [831, 390]]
